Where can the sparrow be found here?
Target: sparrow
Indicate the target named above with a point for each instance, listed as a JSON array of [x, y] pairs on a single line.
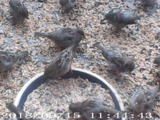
[[61, 64], [7, 59], [67, 5], [148, 2], [18, 111], [142, 100], [18, 10], [117, 61], [93, 106], [157, 61], [42, 0], [120, 18], [63, 37]]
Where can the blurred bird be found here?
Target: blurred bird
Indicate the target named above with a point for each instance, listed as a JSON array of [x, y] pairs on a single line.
[[157, 61], [117, 61], [142, 100], [119, 18], [1, 12], [7, 59], [67, 5], [42, 0], [96, 106], [61, 64], [63, 37], [18, 10], [146, 3], [18, 111]]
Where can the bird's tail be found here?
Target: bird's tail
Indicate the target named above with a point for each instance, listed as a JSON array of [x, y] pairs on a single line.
[[39, 34], [19, 112], [21, 55], [97, 44]]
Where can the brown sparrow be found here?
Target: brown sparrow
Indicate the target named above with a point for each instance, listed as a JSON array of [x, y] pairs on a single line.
[[18, 10], [67, 5], [93, 106], [142, 100], [119, 18], [148, 2], [157, 61], [117, 61], [61, 64], [7, 59], [63, 37], [18, 111]]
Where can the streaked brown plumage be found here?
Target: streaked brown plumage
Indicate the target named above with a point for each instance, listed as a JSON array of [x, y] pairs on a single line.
[[61, 64]]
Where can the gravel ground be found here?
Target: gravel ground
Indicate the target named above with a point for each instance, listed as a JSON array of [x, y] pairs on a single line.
[[140, 42]]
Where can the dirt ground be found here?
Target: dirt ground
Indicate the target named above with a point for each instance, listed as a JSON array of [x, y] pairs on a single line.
[[140, 42]]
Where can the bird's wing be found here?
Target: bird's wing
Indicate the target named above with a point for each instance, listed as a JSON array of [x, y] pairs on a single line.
[[118, 61]]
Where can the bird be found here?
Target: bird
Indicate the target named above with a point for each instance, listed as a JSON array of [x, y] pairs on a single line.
[[7, 59], [63, 37], [1, 12], [18, 10], [148, 3], [157, 61], [61, 64], [120, 18], [94, 106], [117, 61], [18, 111], [142, 100], [42, 0], [67, 5]]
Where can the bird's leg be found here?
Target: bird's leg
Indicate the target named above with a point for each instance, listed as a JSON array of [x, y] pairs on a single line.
[[70, 71], [13, 22], [121, 78], [116, 30], [114, 72]]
